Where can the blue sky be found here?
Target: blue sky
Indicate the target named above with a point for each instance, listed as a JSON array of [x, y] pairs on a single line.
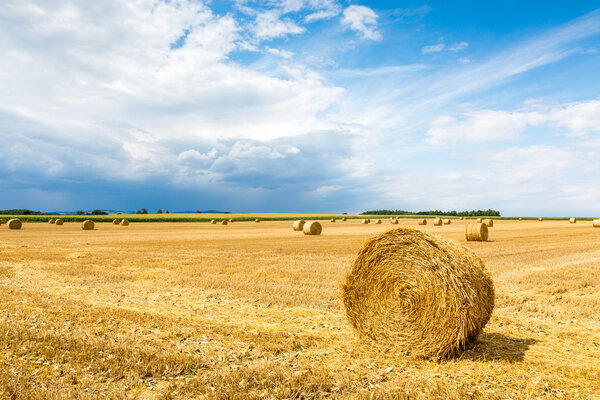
[[300, 105]]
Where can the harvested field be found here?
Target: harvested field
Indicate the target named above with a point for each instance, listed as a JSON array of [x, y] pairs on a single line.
[[193, 310]]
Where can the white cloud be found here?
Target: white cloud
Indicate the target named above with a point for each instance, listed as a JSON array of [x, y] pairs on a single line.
[[279, 52], [319, 15], [363, 20], [458, 46], [268, 25], [436, 48]]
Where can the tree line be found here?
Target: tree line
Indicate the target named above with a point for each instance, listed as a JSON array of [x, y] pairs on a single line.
[[472, 213]]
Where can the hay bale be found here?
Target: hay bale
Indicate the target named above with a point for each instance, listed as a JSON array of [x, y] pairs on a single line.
[[417, 293], [257, 220], [394, 221], [479, 220], [116, 222], [364, 221], [224, 222], [540, 219], [58, 222], [298, 225], [88, 225], [3, 221], [344, 219], [423, 222], [124, 222], [312, 228], [14, 223], [51, 221], [447, 222], [476, 232], [378, 221], [230, 219], [520, 218], [213, 221], [596, 223], [437, 221], [332, 220], [488, 222], [572, 220]]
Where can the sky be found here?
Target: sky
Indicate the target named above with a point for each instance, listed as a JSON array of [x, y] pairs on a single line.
[[300, 105]]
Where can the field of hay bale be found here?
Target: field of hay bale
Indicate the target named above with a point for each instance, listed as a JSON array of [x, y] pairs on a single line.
[[247, 310]]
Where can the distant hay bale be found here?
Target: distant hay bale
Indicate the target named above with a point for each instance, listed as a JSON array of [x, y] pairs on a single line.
[[478, 219], [520, 218], [3, 221], [572, 220], [257, 220], [51, 221], [14, 223], [394, 221], [298, 225], [312, 228], [58, 222], [344, 219], [476, 231], [368, 220], [116, 222], [437, 221], [378, 221], [422, 222], [596, 223], [230, 219], [124, 222], [540, 219], [88, 225], [447, 222], [213, 221], [224, 222], [417, 293], [332, 220], [488, 222], [364, 221]]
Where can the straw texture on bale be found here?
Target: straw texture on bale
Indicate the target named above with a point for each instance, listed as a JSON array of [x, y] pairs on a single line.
[[596, 223], [298, 225], [476, 231], [116, 222], [88, 225], [124, 222], [213, 221], [14, 223], [437, 221], [418, 294], [58, 222], [51, 221], [423, 222], [572, 220], [224, 222], [378, 221], [447, 222], [488, 222], [540, 219], [312, 228], [2, 221]]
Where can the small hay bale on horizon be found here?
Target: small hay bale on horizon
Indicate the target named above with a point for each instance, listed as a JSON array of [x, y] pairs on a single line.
[[213, 221], [344, 219], [298, 225], [224, 222], [488, 222], [378, 221], [257, 220], [423, 222], [3, 221], [596, 223], [14, 223], [332, 220], [479, 220], [312, 228], [230, 219], [572, 220], [437, 221], [364, 221], [520, 218], [58, 222], [394, 221], [88, 225], [540, 219], [476, 231], [116, 221], [51, 221], [418, 294], [447, 221], [124, 222]]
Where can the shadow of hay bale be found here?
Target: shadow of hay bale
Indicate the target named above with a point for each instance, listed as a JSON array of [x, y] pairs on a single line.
[[496, 346]]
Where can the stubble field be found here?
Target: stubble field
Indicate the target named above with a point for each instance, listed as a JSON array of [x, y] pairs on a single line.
[[194, 310]]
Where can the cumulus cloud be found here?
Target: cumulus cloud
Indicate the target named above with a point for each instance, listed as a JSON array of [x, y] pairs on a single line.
[[363, 20], [269, 25], [436, 48], [458, 46]]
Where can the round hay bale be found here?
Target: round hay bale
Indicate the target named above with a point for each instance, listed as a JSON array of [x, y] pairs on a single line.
[[540, 219], [422, 222], [420, 294], [378, 221], [364, 221], [298, 225], [332, 220], [3, 221], [58, 222], [596, 223], [230, 219], [224, 222], [572, 220], [478, 219], [14, 223], [213, 221], [488, 222], [344, 219], [394, 221], [437, 221], [520, 218], [257, 220], [116, 222], [88, 225], [124, 222], [476, 232], [312, 228], [447, 222], [51, 221]]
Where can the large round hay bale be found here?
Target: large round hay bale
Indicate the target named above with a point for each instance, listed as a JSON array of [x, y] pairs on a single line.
[[257, 220], [596, 223], [224, 222], [116, 222], [418, 294], [58, 222], [312, 228], [476, 232], [51, 221], [437, 221], [378, 221], [364, 221], [572, 220], [488, 222], [213, 221], [3, 221], [447, 222], [124, 222], [422, 222], [88, 225], [298, 225], [540, 219], [14, 223]]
